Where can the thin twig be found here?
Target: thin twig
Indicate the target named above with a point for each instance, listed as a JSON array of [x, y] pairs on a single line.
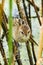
[[3, 53], [33, 5], [36, 11]]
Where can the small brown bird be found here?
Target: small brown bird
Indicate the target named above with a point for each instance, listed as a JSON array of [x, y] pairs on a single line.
[[21, 30]]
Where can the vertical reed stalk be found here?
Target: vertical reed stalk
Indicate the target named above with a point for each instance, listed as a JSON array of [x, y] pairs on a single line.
[[10, 33]]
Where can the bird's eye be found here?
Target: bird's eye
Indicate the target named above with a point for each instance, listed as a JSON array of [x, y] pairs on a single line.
[[19, 23], [22, 22], [28, 31], [22, 32]]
